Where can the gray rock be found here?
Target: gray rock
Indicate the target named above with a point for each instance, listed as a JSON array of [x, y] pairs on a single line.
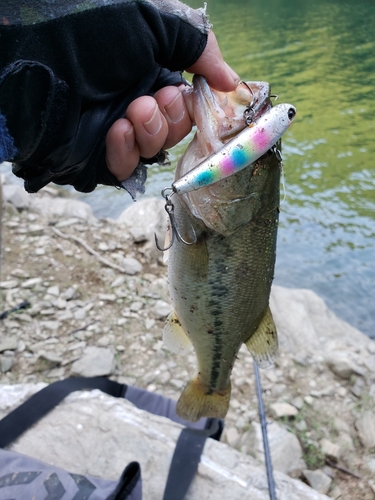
[[318, 480], [340, 425], [161, 309], [281, 410], [370, 364], [306, 325], [103, 341], [9, 284], [8, 344], [107, 297], [95, 362], [330, 450], [35, 230], [309, 400], [327, 391], [298, 402], [61, 207], [132, 266], [67, 222], [149, 323], [144, 218], [120, 280], [286, 451], [60, 303], [69, 294], [20, 273], [16, 195], [53, 290], [345, 442], [371, 465], [94, 434], [136, 306], [301, 425], [342, 365], [80, 313], [159, 287], [358, 387], [46, 361], [335, 493], [365, 426], [30, 283], [178, 384], [50, 325], [6, 363], [232, 436], [56, 373]]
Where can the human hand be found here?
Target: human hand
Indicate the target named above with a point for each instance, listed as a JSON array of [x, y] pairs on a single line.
[[161, 121]]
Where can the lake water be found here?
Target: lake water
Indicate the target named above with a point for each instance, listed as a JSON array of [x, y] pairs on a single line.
[[320, 56]]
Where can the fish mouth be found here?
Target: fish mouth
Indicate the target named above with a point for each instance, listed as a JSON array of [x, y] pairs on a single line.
[[235, 110]]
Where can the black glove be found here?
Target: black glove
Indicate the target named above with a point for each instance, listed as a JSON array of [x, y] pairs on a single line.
[[64, 81]]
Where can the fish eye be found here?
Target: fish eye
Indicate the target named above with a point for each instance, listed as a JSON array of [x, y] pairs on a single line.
[[291, 113]]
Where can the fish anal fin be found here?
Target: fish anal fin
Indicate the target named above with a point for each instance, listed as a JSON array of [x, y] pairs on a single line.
[[174, 336], [263, 343], [194, 403]]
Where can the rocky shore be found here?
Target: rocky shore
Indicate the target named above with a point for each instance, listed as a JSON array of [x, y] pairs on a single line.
[[98, 301]]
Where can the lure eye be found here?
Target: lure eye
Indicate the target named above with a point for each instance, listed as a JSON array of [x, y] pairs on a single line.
[[291, 113]]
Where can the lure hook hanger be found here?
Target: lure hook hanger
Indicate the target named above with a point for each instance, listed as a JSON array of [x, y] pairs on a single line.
[[167, 194], [249, 111]]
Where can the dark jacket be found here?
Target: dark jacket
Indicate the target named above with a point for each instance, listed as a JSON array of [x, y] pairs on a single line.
[[67, 73]]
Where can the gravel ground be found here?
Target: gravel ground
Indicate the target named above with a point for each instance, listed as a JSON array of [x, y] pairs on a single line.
[[78, 301]]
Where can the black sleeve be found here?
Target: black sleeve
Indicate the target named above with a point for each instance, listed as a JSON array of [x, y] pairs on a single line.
[[64, 81]]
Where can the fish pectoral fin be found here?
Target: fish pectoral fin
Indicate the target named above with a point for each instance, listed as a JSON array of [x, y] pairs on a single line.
[[174, 336], [194, 403], [263, 343]]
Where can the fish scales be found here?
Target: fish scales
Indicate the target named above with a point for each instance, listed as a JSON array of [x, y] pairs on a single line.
[[226, 290], [220, 285]]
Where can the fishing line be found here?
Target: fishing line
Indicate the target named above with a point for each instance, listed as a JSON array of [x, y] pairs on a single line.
[[283, 185], [263, 423]]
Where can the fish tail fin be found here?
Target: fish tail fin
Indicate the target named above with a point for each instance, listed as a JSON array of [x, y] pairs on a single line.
[[195, 403], [263, 343]]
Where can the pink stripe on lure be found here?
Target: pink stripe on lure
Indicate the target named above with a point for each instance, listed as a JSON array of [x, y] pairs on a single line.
[[239, 152]]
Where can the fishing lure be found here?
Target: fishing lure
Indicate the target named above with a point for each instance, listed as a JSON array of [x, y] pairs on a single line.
[[238, 153]]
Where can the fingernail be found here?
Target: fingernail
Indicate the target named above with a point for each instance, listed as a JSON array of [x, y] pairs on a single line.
[[129, 140], [155, 123], [176, 109], [233, 74]]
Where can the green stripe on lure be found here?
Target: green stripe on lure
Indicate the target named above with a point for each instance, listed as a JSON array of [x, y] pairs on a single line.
[[249, 145]]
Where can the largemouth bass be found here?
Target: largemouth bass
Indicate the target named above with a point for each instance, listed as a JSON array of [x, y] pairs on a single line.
[[221, 265]]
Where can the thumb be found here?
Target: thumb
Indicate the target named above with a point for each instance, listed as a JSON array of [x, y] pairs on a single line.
[[212, 66]]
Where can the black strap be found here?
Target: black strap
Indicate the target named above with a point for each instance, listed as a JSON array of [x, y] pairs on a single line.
[[186, 458], [37, 406]]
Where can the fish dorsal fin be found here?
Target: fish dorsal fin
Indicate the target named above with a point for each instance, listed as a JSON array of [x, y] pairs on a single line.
[[174, 336], [263, 342]]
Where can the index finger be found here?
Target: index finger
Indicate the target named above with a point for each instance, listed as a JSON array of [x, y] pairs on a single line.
[[212, 66]]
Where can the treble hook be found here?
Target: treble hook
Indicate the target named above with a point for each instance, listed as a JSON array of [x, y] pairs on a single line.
[[249, 111], [169, 208]]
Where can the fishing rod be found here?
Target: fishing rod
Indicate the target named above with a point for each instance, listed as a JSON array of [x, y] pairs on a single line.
[[263, 423]]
